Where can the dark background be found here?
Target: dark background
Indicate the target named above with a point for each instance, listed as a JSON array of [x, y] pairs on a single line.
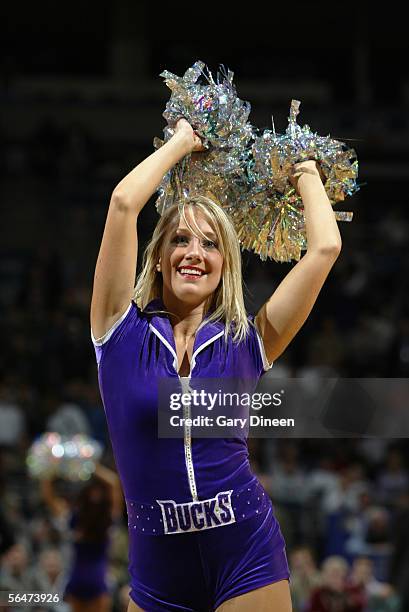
[[81, 101]]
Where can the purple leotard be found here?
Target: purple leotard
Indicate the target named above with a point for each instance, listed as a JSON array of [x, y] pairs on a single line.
[[87, 577], [195, 501]]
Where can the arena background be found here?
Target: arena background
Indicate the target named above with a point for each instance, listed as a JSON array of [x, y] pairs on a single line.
[[81, 101]]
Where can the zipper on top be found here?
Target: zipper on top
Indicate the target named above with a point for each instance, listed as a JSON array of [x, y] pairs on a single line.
[[187, 437]]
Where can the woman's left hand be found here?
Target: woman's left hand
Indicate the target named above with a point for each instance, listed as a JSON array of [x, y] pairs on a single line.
[[310, 166]]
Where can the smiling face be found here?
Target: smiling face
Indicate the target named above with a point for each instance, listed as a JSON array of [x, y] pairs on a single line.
[[177, 243], [191, 264]]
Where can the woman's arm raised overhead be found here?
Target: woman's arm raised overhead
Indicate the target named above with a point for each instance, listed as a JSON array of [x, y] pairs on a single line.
[[56, 504], [115, 270], [281, 317]]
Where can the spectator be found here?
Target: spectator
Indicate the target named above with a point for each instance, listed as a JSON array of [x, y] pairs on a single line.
[[288, 491], [380, 596], [305, 577], [49, 575], [15, 569], [334, 594]]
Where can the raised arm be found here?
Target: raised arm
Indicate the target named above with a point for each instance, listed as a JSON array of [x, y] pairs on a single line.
[[56, 504], [280, 318], [115, 270]]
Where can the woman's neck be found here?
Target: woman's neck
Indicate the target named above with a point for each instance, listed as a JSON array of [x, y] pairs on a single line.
[[185, 318]]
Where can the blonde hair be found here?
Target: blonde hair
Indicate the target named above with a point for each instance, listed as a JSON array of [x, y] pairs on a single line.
[[227, 300]]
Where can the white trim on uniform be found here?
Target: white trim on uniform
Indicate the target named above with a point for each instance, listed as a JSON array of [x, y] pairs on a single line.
[[266, 363], [166, 343], [200, 348], [108, 334]]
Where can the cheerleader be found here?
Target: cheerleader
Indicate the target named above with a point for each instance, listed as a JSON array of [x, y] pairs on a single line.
[[202, 530], [98, 505]]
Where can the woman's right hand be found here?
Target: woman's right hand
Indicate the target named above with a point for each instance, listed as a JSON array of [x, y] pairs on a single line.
[[193, 141]]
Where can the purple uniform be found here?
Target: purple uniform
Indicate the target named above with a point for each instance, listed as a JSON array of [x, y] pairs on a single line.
[[178, 491], [88, 573]]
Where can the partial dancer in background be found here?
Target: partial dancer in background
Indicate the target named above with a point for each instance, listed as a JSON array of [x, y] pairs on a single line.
[[215, 543], [98, 505]]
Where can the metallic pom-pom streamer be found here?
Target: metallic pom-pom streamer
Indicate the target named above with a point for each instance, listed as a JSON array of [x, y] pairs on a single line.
[[73, 458], [219, 117], [279, 232], [246, 173]]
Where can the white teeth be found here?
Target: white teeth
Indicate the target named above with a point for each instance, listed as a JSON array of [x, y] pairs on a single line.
[[189, 271]]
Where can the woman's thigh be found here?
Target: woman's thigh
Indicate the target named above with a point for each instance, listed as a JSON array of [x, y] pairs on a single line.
[[246, 561], [133, 607], [271, 598]]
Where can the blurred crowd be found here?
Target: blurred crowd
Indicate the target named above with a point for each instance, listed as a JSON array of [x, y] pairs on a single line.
[[343, 507], [343, 504]]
